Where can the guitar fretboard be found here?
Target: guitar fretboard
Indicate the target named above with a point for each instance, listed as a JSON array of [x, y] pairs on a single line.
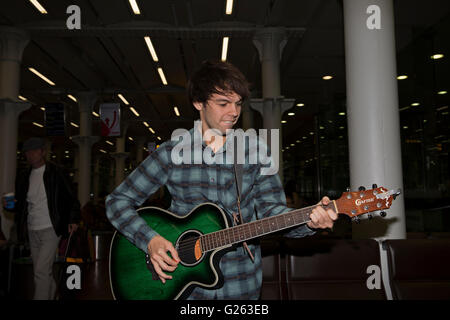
[[256, 228]]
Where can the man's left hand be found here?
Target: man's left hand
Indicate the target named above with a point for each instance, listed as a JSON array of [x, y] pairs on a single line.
[[321, 218], [73, 227]]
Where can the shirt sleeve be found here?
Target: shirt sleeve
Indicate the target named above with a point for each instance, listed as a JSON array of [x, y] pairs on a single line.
[[270, 200], [121, 204]]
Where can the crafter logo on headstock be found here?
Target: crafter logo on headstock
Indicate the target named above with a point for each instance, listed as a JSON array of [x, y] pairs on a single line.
[[359, 202]]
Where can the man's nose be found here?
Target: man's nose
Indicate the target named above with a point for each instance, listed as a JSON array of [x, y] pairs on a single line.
[[235, 109]]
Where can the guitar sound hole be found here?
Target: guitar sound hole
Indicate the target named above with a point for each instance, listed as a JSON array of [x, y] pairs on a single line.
[[186, 248]]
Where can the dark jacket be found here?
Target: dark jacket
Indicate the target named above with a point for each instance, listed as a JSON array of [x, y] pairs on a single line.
[[63, 205]]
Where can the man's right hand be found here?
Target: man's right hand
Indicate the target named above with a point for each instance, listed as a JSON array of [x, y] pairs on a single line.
[[157, 250]]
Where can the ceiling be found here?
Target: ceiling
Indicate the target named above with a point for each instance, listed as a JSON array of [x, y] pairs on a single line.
[[109, 55]]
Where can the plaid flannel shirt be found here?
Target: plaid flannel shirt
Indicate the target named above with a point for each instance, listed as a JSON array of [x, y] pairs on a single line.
[[191, 185]]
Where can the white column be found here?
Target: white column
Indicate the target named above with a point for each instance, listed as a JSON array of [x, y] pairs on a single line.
[[372, 110], [120, 155], [270, 43], [85, 140], [12, 44]]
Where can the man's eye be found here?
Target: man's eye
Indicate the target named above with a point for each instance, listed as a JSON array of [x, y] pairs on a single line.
[[222, 104]]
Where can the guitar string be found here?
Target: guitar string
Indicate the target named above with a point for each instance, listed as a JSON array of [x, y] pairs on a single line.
[[187, 245]]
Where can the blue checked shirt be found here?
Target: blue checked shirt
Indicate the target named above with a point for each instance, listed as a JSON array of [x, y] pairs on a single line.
[[193, 184]]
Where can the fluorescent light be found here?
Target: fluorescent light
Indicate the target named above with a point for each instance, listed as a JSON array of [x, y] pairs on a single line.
[[402, 77], [229, 7], [158, 138], [42, 108], [109, 142], [224, 48], [134, 111], [72, 97], [442, 108], [442, 92], [134, 6], [38, 6], [405, 108], [176, 111], [74, 125], [151, 49], [437, 56], [283, 121], [123, 98], [161, 75], [101, 150], [415, 104], [23, 98], [38, 125], [291, 114], [327, 77], [130, 138], [300, 104], [95, 114], [151, 130], [40, 75], [341, 114], [145, 124]]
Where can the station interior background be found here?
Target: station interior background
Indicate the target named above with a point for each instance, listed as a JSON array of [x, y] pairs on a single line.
[[109, 56]]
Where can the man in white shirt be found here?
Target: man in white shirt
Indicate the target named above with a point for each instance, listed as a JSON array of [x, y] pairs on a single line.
[[45, 210]]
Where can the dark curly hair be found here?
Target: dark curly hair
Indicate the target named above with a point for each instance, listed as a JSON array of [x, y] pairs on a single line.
[[216, 77]]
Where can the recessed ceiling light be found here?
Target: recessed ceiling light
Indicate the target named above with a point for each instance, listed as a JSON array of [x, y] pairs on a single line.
[[38, 6], [229, 7], [134, 111], [123, 99], [162, 76], [437, 56], [151, 48], [224, 48], [72, 97], [134, 6], [40, 75]]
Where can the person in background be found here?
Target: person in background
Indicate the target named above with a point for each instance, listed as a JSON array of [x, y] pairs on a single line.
[[46, 209]]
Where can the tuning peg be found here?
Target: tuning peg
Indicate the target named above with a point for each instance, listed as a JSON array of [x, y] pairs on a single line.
[[356, 220], [374, 186], [396, 194], [362, 188], [383, 214]]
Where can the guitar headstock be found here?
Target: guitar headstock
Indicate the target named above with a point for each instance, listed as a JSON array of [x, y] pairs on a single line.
[[356, 203]]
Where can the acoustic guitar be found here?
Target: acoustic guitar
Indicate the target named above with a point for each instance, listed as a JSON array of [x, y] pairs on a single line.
[[203, 236]]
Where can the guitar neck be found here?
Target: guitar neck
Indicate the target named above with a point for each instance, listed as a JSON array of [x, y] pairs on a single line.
[[257, 228]]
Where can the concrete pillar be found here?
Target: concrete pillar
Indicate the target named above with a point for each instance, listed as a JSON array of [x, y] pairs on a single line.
[[248, 117], [270, 43], [120, 155], [9, 114], [373, 116], [96, 182], [372, 109], [85, 140], [12, 44], [140, 143]]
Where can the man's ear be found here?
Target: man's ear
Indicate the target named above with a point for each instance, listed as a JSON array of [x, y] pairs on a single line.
[[198, 105]]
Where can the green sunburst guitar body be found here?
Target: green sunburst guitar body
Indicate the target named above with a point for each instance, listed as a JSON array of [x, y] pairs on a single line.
[[131, 278]]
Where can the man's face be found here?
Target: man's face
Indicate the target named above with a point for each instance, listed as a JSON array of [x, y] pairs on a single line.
[[220, 112], [35, 157]]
